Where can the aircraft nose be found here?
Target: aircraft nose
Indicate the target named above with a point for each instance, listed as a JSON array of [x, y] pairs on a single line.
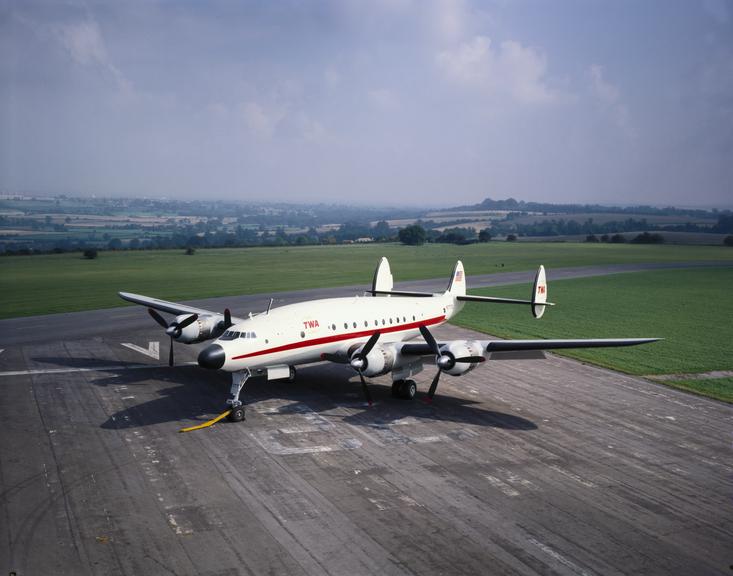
[[212, 357]]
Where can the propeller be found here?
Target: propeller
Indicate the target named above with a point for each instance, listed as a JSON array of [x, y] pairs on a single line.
[[443, 360], [359, 363], [174, 329], [227, 322]]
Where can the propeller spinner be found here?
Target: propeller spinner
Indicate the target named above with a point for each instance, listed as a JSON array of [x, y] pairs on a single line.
[[174, 329], [443, 360]]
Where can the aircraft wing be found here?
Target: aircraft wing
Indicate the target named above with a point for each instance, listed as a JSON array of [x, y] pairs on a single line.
[[170, 307], [423, 349]]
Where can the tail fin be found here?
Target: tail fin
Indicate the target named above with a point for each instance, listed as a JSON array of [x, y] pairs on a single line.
[[457, 282], [382, 277], [539, 293]]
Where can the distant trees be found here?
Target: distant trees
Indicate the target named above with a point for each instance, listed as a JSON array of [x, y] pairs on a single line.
[[592, 238], [90, 253], [511, 237], [728, 241], [484, 235], [647, 238], [457, 236], [617, 239], [413, 235]]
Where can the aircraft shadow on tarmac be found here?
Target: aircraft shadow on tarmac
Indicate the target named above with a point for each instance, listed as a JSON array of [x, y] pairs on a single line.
[[57, 361], [195, 394]]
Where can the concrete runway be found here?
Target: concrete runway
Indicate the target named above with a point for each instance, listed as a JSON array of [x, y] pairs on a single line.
[[520, 467]]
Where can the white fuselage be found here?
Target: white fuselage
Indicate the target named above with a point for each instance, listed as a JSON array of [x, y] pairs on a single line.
[[301, 333]]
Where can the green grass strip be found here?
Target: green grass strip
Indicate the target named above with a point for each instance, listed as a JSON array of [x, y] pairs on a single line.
[[690, 308]]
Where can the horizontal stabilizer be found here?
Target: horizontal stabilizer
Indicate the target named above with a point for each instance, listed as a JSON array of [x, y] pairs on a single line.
[[494, 300], [403, 293]]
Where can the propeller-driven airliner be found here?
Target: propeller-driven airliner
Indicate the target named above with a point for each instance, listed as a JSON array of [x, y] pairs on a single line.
[[374, 333]]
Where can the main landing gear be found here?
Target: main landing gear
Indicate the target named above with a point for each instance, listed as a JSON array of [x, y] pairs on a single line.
[[237, 408], [405, 389]]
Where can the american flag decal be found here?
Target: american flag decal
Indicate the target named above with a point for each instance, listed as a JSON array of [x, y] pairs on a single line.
[[459, 275]]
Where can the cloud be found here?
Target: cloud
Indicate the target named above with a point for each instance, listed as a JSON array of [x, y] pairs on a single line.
[[84, 43], [259, 120], [383, 99], [610, 97], [512, 70]]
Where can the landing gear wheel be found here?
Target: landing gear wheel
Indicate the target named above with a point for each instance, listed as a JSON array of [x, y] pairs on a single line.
[[396, 385], [237, 414], [408, 389], [293, 374]]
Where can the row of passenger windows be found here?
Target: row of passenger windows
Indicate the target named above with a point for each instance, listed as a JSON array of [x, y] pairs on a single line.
[[233, 335], [395, 320]]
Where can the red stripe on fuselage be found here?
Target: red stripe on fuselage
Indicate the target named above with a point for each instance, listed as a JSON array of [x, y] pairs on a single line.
[[340, 337]]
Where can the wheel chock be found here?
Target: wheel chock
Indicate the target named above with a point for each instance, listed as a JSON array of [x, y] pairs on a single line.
[[206, 424]]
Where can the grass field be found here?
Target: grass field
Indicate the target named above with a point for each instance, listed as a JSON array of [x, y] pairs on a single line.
[[690, 309], [720, 388], [67, 282]]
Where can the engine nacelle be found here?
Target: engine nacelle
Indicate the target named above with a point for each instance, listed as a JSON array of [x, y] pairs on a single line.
[[205, 327], [380, 360], [461, 349]]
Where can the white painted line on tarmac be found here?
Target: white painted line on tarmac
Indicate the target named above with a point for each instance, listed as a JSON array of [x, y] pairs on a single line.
[[110, 368], [153, 349]]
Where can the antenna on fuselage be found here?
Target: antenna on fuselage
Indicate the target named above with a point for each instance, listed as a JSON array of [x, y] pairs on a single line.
[[269, 305]]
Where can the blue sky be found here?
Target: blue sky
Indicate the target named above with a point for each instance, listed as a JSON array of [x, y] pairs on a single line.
[[425, 102]]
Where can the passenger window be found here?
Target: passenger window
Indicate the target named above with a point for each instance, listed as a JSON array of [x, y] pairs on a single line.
[[354, 324]]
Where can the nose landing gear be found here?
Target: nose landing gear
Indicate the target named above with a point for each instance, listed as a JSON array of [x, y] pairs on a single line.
[[237, 407]]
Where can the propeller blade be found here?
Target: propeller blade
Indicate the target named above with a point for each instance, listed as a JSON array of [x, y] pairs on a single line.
[[430, 340], [186, 321], [334, 358], [370, 344], [365, 388], [433, 386], [471, 359], [170, 353], [158, 318], [227, 318]]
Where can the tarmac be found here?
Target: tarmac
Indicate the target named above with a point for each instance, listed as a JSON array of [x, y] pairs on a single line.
[[520, 467]]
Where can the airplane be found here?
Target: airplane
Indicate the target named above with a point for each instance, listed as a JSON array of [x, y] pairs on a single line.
[[372, 333]]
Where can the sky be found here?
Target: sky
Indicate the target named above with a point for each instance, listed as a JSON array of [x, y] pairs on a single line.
[[374, 102]]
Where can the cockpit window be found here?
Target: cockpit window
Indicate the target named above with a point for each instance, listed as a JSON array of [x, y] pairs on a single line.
[[229, 335], [248, 335]]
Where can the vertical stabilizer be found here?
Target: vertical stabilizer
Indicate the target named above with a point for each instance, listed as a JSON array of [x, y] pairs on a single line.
[[539, 293], [382, 276], [457, 283]]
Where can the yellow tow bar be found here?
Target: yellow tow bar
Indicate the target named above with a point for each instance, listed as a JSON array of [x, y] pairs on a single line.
[[206, 424]]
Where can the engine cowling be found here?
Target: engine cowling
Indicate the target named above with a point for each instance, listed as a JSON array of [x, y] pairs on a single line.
[[205, 327], [380, 360], [461, 349]]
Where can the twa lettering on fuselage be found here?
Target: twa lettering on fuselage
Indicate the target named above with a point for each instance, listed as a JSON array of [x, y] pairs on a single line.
[[311, 324]]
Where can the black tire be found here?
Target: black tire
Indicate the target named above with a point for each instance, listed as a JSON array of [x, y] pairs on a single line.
[[293, 374], [408, 389], [396, 386], [237, 414]]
